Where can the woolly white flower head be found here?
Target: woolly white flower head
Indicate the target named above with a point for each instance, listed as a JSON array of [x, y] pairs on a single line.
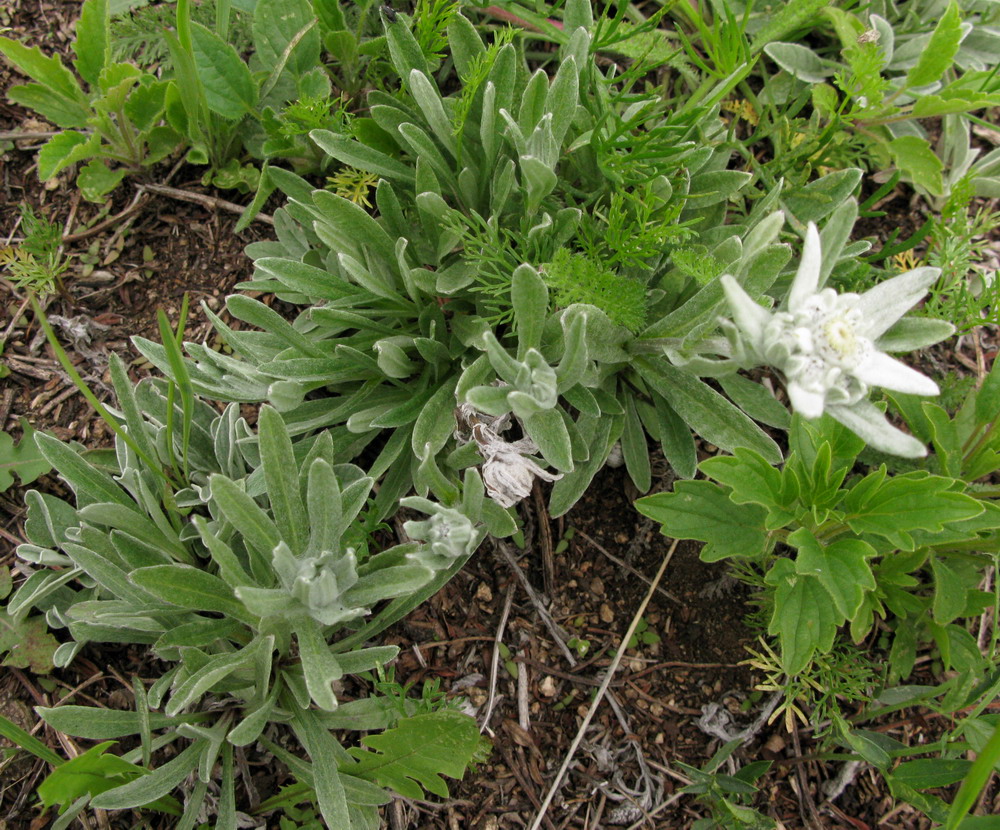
[[826, 346]]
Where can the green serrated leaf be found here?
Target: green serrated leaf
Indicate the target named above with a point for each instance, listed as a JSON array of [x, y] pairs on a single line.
[[804, 618], [92, 45], [415, 755], [703, 511], [917, 160], [27, 643], [23, 458], [841, 567]]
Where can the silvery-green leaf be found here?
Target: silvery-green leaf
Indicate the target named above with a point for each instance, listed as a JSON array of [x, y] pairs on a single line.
[[157, 784], [548, 430], [800, 61], [320, 666], [866, 421], [530, 298]]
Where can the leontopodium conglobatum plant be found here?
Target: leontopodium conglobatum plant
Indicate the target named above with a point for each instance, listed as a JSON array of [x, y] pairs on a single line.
[[827, 346], [247, 569]]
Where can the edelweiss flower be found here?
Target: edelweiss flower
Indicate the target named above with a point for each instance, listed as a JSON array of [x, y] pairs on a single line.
[[826, 346]]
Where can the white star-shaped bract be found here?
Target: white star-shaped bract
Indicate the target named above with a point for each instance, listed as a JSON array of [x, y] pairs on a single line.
[[826, 346]]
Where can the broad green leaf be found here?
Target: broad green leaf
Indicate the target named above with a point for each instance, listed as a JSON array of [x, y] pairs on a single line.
[[935, 60], [229, 88], [785, 19], [634, 448], [918, 162], [975, 780], [64, 149], [276, 23], [950, 592], [320, 667], [404, 50], [429, 100], [415, 754], [750, 477], [92, 773], [548, 430], [708, 189], [363, 157], [92, 45], [841, 567], [821, 197], [800, 61], [702, 510], [245, 515], [90, 484], [676, 440], [436, 421], [218, 668], [567, 491], [925, 773], [530, 298], [28, 742], [914, 501], [804, 617], [988, 397], [465, 44], [96, 180], [49, 72], [24, 458], [756, 401], [562, 98], [26, 643], [326, 755]]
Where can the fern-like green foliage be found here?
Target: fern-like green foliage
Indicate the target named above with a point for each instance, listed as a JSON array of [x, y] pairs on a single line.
[[865, 82], [412, 757], [474, 78], [696, 262], [577, 279], [138, 35], [431, 19], [37, 263]]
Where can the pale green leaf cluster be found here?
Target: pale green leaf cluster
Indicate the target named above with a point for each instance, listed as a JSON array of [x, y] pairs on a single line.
[[837, 549], [245, 563]]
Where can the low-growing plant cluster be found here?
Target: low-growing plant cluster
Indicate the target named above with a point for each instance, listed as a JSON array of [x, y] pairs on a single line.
[[508, 253]]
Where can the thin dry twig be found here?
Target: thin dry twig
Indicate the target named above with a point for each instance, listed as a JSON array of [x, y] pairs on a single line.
[[138, 202], [557, 783], [211, 202], [558, 635], [523, 714], [26, 135], [495, 663], [621, 563]]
